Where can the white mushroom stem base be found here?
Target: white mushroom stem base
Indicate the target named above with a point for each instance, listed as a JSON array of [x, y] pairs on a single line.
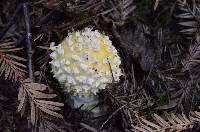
[[92, 104]]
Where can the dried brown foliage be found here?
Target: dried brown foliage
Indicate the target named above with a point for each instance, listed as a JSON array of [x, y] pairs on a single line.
[[192, 63], [172, 123], [121, 10], [118, 11], [11, 66], [40, 101], [190, 18]]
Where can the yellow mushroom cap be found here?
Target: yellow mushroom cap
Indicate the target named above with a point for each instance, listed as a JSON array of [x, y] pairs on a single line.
[[85, 62]]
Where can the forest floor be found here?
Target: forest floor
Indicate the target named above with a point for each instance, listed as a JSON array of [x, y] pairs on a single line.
[[157, 40]]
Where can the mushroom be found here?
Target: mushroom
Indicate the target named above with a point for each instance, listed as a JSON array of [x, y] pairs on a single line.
[[85, 62]]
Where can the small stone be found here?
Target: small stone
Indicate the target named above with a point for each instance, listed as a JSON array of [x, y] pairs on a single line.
[[96, 32], [62, 62], [90, 81], [105, 61], [71, 80], [78, 34], [108, 49], [76, 58], [62, 77], [52, 46], [60, 50], [67, 62], [96, 61], [69, 42], [75, 70], [67, 69], [95, 45], [79, 46], [53, 55], [109, 58], [81, 79], [55, 63], [58, 73], [83, 67]]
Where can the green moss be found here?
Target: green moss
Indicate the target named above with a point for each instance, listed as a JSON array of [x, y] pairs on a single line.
[[146, 3], [144, 6], [163, 98]]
